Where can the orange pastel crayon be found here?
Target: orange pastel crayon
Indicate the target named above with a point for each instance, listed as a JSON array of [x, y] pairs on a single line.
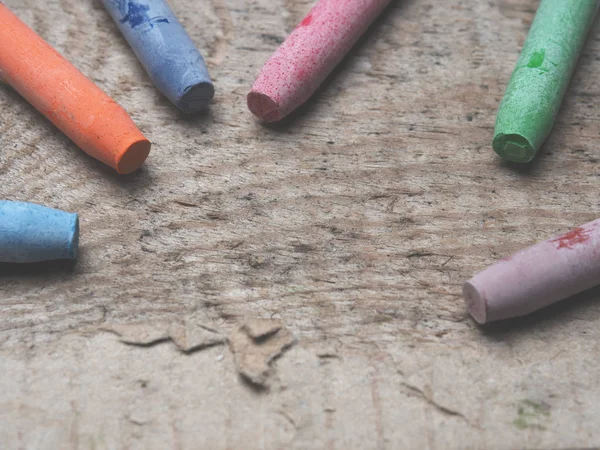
[[94, 121]]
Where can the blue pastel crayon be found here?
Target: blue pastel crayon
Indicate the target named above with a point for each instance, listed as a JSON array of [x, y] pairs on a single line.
[[34, 233], [165, 50]]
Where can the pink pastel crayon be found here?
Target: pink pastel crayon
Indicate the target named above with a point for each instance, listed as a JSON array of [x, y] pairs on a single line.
[[309, 54], [537, 276]]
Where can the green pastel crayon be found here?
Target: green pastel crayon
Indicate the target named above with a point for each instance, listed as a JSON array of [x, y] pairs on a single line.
[[541, 78]]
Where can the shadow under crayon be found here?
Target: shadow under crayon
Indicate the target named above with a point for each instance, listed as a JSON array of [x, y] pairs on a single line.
[[585, 304], [204, 116], [526, 169], [396, 6], [133, 182], [37, 269]]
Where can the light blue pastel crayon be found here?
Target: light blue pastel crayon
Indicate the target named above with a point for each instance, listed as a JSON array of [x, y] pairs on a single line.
[[34, 233], [165, 50]]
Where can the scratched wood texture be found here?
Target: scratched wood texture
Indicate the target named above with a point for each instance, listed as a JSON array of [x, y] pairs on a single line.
[[354, 222]]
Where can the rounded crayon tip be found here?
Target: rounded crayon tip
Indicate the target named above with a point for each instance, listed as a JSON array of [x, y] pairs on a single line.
[[133, 157], [514, 147], [263, 107], [476, 303], [196, 97], [73, 242]]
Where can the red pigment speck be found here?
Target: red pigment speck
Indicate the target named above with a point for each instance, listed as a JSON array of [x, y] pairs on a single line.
[[568, 240], [302, 74], [307, 20]]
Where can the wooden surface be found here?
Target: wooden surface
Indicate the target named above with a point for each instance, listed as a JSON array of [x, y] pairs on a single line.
[[354, 223]]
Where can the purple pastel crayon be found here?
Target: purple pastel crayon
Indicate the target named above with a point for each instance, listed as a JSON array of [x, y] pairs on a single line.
[[536, 276]]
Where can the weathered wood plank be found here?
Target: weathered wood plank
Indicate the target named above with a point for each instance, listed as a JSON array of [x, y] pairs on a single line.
[[354, 223]]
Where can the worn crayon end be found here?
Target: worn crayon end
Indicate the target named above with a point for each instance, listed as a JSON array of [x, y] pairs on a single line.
[[166, 51], [537, 276], [196, 98], [133, 156], [514, 147], [476, 303], [35, 233], [73, 242], [541, 77], [263, 107]]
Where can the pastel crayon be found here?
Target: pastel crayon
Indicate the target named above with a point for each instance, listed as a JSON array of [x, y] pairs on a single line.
[[309, 54], [34, 233], [539, 82], [165, 50], [67, 98], [537, 276]]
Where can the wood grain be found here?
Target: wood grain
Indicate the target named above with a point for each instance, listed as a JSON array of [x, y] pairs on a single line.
[[355, 223]]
